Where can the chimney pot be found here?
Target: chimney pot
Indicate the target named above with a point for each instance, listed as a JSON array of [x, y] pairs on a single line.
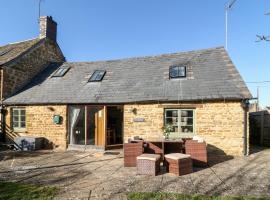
[[47, 27]]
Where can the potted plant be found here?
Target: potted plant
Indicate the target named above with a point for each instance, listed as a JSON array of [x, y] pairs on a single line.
[[167, 130]]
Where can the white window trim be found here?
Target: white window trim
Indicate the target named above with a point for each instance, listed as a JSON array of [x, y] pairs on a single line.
[[182, 134], [18, 129]]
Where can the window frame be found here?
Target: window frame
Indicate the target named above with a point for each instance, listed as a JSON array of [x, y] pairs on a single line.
[[18, 128], [181, 134], [178, 76], [55, 74], [97, 71]]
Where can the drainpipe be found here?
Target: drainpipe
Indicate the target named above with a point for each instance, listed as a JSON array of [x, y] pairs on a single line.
[[246, 128]]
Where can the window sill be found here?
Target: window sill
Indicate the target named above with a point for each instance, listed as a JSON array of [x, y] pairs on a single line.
[[19, 130], [181, 135]]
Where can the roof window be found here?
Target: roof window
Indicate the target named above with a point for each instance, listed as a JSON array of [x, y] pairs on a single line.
[[178, 71], [61, 71], [97, 76]]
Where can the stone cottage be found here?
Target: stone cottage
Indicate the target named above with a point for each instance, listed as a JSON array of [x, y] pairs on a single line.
[[21, 61], [103, 104]]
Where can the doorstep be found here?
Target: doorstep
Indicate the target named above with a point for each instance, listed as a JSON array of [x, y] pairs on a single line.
[[75, 147]]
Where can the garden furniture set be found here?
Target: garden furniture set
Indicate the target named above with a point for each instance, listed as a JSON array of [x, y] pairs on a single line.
[[177, 156]]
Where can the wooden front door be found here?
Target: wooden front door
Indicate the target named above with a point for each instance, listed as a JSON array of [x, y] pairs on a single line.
[[100, 127], [95, 126]]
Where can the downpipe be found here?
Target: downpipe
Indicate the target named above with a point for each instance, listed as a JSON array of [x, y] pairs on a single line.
[[245, 105]]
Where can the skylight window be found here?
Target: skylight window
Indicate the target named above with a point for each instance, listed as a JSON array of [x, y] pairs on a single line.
[[61, 71], [178, 71], [97, 76]]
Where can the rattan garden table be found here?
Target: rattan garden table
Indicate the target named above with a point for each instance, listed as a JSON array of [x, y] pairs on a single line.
[[164, 146]]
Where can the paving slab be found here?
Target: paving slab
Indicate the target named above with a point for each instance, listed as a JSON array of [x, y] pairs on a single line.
[[94, 175]]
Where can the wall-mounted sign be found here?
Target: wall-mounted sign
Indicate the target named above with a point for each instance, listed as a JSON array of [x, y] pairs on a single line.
[[138, 120]]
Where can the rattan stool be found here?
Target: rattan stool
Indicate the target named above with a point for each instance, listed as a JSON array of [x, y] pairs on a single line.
[[148, 164], [178, 163]]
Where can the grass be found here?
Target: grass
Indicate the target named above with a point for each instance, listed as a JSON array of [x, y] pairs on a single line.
[[16, 191], [174, 196]]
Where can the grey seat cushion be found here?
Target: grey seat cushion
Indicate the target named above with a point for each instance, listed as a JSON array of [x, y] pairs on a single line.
[[177, 156], [145, 156]]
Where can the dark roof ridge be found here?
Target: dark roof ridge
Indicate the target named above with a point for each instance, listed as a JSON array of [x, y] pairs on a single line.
[[150, 56]]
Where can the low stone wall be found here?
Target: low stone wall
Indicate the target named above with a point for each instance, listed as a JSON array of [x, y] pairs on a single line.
[[39, 122], [221, 124]]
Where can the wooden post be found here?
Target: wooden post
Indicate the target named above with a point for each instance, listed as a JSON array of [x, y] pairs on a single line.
[[105, 126], [262, 127]]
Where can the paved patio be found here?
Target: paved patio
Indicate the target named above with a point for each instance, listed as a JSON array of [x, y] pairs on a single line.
[[94, 175]]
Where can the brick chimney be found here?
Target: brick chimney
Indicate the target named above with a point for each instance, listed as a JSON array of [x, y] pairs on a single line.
[[47, 27]]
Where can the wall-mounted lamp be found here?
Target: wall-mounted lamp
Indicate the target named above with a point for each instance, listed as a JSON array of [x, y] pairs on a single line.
[[133, 110], [50, 108]]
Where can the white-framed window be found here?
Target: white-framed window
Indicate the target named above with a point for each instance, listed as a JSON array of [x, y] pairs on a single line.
[[18, 119], [182, 122], [178, 71]]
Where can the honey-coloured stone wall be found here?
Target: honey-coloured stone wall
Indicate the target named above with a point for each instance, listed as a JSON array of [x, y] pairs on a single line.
[[39, 122], [221, 124]]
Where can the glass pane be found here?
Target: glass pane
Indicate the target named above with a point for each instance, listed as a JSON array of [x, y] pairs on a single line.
[[22, 111], [22, 124], [77, 125], [187, 129], [187, 113], [15, 124], [168, 121], [182, 71], [15, 112], [190, 121], [175, 129], [174, 72], [61, 71], [171, 113], [175, 113], [94, 76], [186, 121], [23, 118], [92, 117], [172, 121], [15, 118], [97, 75]]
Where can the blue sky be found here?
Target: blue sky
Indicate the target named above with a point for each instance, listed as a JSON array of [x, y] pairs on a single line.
[[90, 30]]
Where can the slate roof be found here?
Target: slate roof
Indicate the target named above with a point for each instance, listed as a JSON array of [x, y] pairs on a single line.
[[12, 51], [212, 76]]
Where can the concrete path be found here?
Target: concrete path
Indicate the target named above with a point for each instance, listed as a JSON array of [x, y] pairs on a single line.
[[92, 175]]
